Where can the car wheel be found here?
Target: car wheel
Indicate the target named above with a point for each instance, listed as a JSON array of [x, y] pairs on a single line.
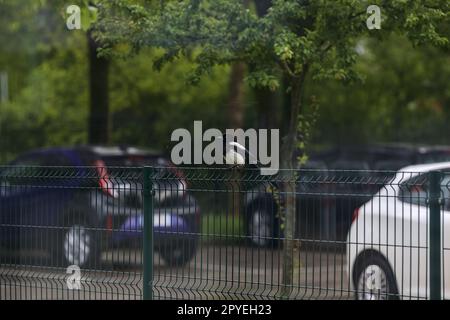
[[261, 228], [179, 254], [375, 280], [77, 246]]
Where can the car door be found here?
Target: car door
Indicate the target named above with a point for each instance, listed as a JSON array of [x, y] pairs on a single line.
[[415, 237], [46, 198], [411, 237], [9, 208], [14, 194]]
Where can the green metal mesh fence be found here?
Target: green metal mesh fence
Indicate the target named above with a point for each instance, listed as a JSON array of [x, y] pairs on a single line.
[[222, 233]]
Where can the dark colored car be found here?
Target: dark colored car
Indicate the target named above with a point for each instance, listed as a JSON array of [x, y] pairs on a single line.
[[329, 188], [75, 202]]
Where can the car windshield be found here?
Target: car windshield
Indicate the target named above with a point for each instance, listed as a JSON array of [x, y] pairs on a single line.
[[438, 156]]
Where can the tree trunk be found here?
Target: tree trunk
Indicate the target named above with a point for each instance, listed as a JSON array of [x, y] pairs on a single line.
[[267, 108], [236, 100], [98, 125], [262, 6], [236, 121], [265, 98], [288, 163]]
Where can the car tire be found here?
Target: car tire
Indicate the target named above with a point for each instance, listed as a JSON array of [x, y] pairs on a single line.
[[179, 253], [262, 228], [374, 279], [76, 244]]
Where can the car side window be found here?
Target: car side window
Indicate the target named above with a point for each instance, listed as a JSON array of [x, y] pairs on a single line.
[[55, 159], [21, 171], [415, 190]]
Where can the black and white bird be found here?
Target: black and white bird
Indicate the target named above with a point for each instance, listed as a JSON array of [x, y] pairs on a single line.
[[236, 155]]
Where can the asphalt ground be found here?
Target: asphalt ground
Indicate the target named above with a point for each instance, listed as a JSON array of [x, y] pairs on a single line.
[[215, 272]]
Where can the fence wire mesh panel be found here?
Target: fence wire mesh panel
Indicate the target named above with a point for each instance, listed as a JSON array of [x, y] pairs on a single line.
[[70, 233], [223, 233], [354, 234]]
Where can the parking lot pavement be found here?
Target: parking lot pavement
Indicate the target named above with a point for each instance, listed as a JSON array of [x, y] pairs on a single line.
[[216, 272]]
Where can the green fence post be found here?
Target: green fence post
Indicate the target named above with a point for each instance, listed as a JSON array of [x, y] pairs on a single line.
[[148, 234], [435, 235]]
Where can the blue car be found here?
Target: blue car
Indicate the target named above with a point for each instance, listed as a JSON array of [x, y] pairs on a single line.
[[73, 203]]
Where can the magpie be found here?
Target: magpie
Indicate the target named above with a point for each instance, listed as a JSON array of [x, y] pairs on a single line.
[[236, 155]]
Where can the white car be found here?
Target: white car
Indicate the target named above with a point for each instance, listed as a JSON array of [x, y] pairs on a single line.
[[388, 242]]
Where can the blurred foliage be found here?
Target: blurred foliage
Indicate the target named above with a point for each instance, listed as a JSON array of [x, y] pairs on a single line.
[[405, 94], [294, 34], [51, 106], [49, 88], [301, 39], [148, 105], [405, 97]]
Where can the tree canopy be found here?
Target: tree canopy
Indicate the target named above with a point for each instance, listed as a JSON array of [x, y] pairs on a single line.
[[296, 38]]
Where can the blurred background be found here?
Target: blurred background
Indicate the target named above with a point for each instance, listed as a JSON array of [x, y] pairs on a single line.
[[55, 91]]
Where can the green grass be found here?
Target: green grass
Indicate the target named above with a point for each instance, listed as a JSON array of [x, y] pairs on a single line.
[[222, 228]]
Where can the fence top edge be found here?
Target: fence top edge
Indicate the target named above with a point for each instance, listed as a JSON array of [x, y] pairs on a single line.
[[226, 169]]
